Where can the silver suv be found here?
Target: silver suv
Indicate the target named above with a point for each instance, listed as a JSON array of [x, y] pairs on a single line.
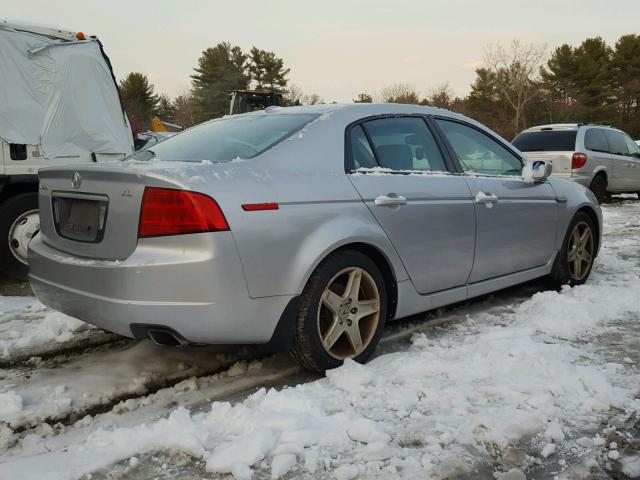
[[603, 159]]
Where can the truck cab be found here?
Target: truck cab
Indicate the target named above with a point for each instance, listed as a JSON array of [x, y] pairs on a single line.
[[61, 106]]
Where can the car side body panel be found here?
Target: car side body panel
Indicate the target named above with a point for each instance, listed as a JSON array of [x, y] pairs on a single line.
[[234, 286]]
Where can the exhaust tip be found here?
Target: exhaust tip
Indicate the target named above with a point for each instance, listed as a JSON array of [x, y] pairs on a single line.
[[163, 338], [158, 334]]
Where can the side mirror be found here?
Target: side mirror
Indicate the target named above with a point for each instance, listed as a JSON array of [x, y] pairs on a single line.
[[541, 170], [536, 171]]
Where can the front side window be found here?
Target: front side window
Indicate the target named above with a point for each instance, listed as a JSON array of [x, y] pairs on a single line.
[[478, 152], [226, 139], [632, 146], [617, 145], [405, 144], [595, 140]]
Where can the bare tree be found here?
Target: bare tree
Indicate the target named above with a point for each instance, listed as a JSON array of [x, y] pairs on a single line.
[[293, 95], [312, 99], [440, 96], [184, 105], [399, 93], [363, 98], [517, 69]]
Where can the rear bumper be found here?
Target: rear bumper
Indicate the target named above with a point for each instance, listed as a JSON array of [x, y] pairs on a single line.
[[191, 284], [583, 179]]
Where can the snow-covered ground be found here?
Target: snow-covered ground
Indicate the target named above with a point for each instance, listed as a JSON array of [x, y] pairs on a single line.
[[524, 384]]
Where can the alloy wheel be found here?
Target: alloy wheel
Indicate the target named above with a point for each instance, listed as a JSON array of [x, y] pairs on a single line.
[[580, 251], [349, 313]]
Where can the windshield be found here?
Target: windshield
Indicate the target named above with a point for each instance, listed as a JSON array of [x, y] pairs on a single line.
[[546, 141], [226, 139]]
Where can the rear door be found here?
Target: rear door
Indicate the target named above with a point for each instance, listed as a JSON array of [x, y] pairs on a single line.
[[516, 221], [426, 211]]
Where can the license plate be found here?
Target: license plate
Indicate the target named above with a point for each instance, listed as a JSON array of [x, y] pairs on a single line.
[[81, 218]]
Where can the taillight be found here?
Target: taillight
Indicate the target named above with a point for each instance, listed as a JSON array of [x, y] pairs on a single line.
[[166, 211], [578, 160]]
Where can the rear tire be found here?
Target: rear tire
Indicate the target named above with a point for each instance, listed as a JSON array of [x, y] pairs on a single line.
[[12, 213], [599, 187], [335, 321], [576, 257]]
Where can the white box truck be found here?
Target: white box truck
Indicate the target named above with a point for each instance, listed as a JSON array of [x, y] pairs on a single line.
[[59, 104]]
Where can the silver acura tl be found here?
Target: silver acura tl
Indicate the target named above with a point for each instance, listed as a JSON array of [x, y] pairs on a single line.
[[305, 227]]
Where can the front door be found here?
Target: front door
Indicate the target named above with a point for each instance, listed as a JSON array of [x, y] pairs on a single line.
[[517, 221], [426, 211]]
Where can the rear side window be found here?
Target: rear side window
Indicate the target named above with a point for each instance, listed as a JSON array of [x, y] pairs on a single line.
[[595, 140], [226, 139], [361, 154], [546, 141], [405, 143], [617, 145], [478, 152]]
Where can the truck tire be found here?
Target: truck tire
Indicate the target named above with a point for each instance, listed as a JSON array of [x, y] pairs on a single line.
[[19, 222]]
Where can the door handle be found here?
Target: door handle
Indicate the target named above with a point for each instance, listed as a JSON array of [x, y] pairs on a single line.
[[486, 198], [390, 200]]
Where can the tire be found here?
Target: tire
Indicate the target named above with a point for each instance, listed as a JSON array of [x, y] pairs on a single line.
[[599, 187], [316, 317], [10, 211], [562, 272]]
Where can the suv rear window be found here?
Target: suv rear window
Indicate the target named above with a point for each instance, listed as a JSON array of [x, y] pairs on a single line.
[[226, 139], [546, 141]]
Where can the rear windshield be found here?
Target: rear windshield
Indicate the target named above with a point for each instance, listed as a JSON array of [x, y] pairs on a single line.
[[226, 139], [546, 141]]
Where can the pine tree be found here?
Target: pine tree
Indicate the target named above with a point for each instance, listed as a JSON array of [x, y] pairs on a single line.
[[220, 70], [593, 80], [267, 70], [138, 99], [165, 109], [559, 84], [625, 76]]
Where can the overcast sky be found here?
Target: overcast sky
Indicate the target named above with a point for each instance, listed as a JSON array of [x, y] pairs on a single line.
[[336, 48]]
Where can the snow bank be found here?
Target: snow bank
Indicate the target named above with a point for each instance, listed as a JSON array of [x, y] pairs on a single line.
[[26, 323]]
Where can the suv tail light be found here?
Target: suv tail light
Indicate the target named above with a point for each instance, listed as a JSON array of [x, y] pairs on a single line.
[[578, 160], [167, 211]]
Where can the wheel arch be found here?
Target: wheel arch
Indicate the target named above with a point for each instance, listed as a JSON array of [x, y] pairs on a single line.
[[283, 335], [602, 171], [383, 263]]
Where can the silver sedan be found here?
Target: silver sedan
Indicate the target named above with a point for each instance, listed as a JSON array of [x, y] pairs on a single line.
[[305, 227]]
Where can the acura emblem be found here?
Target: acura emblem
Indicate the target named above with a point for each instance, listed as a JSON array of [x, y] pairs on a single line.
[[76, 180]]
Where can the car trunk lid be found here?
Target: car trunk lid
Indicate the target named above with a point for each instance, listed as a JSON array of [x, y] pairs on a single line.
[[92, 211]]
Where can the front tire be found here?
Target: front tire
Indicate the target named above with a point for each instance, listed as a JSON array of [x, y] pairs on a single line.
[[575, 260], [19, 222], [342, 313]]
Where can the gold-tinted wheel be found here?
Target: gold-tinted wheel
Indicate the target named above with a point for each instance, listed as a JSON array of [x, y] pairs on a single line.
[[342, 312], [349, 313], [580, 251]]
